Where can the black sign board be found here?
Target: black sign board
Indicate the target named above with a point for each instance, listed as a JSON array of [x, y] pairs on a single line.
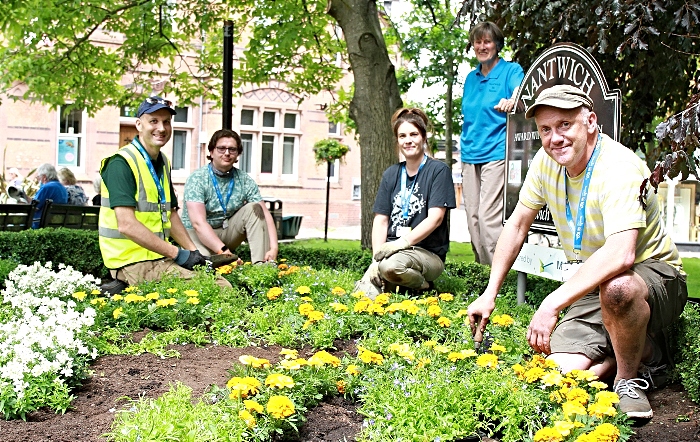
[[563, 63]]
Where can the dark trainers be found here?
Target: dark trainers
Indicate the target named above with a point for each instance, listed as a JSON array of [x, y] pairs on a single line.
[[633, 400], [113, 287], [656, 376]]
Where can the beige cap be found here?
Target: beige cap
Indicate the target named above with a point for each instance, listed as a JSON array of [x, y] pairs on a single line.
[[563, 96]]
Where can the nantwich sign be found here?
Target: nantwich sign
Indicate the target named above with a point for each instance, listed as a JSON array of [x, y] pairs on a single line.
[[564, 63]]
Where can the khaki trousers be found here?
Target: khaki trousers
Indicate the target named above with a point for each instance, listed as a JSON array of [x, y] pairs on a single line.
[[139, 272], [482, 187], [248, 223], [410, 268]]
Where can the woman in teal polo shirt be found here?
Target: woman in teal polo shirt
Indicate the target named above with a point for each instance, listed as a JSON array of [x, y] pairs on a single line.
[[488, 90]]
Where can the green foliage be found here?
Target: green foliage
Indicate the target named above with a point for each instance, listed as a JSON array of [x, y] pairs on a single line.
[[76, 248], [6, 266], [688, 346], [329, 150]]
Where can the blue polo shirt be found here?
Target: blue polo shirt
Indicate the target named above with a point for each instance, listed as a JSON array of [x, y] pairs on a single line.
[[50, 190], [483, 136]]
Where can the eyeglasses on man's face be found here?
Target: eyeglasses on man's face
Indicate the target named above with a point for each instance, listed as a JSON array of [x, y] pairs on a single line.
[[151, 100], [229, 150]]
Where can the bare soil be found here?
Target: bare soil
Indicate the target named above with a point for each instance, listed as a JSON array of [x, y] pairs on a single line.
[[676, 418]]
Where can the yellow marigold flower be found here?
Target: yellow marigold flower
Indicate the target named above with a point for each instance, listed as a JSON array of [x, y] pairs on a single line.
[[551, 378], [352, 370], [422, 362], [171, 290], [429, 344], [274, 293], [455, 356], [253, 361], [133, 297], [585, 438], [441, 349], [191, 292], [461, 312], [305, 309], [607, 397], [431, 300], [303, 290], [338, 307], [600, 410], [410, 307], [548, 434], [583, 375], [362, 305], [468, 353], [502, 320], [444, 322], [243, 387], [316, 316], [153, 295], [446, 296], [166, 302], [283, 266], [95, 292], [605, 433], [369, 357], [277, 380], [247, 418], [556, 396], [598, 385], [564, 427], [403, 350], [338, 291], [550, 363], [290, 364], [434, 311], [306, 299], [280, 407], [79, 295], [577, 395], [487, 360], [289, 353], [534, 374], [497, 347], [225, 269], [118, 312], [571, 408], [193, 300], [323, 357], [117, 298], [358, 294], [382, 299], [251, 405], [101, 301], [340, 385], [375, 309], [131, 288], [519, 371]]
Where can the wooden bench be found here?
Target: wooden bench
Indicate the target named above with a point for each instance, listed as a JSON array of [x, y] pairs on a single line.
[[69, 216], [16, 217]]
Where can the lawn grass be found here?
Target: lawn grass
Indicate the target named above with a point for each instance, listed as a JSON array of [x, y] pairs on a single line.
[[462, 252]]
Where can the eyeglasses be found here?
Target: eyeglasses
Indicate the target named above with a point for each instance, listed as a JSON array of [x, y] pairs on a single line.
[[230, 150], [151, 100]]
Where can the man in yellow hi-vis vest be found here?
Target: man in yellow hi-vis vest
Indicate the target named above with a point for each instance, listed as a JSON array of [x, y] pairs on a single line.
[[139, 207]]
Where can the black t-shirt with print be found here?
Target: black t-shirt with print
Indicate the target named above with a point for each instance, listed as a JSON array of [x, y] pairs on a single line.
[[434, 188]]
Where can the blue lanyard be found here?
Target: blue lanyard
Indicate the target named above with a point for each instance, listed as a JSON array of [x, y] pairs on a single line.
[[161, 192], [406, 196], [218, 192], [581, 214]]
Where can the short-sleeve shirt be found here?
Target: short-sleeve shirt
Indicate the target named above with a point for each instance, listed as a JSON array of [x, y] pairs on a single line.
[[612, 205], [199, 188], [50, 190], [483, 136], [76, 195], [121, 182], [433, 188]]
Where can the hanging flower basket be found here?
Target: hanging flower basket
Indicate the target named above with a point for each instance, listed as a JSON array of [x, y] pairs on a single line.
[[329, 150]]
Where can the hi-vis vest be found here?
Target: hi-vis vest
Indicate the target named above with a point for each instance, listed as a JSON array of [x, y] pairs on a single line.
[[117, 250]]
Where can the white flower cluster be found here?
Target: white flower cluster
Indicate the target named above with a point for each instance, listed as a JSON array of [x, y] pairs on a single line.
[[44, 333]]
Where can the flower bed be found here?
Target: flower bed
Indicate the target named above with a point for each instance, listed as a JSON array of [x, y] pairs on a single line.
[[415, 374]]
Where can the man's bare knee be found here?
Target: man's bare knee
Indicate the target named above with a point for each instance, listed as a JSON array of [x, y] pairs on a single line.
[[616, 294]]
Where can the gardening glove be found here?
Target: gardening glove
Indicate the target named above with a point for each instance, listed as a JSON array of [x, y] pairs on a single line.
[[373, 273], [389, 248], [189, 258]]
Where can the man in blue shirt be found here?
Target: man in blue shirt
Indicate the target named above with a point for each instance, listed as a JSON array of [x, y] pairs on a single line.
[[49, 189], [487, 98]]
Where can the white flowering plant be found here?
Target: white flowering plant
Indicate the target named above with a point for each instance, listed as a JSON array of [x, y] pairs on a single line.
[[44, 338]]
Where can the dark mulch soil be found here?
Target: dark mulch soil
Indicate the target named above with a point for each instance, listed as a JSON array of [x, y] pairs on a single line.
[[676, 418]]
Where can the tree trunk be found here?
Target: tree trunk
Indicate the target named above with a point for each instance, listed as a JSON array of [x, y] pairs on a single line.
[[375, 100]]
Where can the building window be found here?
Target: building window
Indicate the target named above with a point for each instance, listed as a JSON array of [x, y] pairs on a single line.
[[246, 154], [290, 121], [181, 141], [182, 115], [71, 138], [356, 189], [334, 129], [288, 156], [248, 117], [269, 119], [267, 157], [179, 158]]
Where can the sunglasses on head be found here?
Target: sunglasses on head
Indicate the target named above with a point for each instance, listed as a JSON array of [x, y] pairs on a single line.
[[151, 100]]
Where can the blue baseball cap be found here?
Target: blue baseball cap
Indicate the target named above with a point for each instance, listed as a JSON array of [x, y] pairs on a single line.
[[154, 103]]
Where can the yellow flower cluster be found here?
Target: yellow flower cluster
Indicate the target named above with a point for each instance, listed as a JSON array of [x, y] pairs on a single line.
[[303, 290], [308, 310], [274, 293], [243, 387], [502, 320], [253, 361], [367, 305], [403, 350], [280, 407], [369, 357], [409, 306], [277, 380], [338, 291], [226, 269], [286, 270], [321, 358]]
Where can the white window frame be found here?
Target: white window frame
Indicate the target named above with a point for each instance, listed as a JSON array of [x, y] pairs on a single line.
[[250, 155], [356, 189], [275, 157], [255, 118], [82, 141], [188, 128], [338, 132], [295, 159], [276, 113]]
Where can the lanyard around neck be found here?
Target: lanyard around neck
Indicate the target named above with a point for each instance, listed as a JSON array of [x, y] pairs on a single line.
[[406, 196], [229, 191], [161, 191], [581, 210]]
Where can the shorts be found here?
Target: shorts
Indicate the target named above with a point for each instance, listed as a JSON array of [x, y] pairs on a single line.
[[581, 330], [139, 272]]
